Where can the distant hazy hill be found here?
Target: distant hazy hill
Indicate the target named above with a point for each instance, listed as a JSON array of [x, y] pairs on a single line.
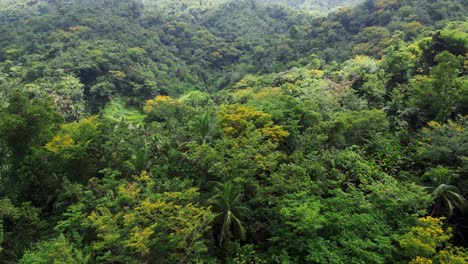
[[319, 6], [11, 10], [315, 5]]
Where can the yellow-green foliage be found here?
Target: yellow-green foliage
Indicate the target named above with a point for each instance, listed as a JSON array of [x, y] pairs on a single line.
[[428, 242], [57, 251], [421, 260], [160, 223], [424, 239], [159, 102], [456, 255], [74, 137], [136, 52], [165, 109], [237, 119]]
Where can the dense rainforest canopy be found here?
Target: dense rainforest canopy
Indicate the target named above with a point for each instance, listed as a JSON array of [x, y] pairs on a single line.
[[240, 132]]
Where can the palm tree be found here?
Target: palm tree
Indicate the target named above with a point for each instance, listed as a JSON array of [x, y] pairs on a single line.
[[442, 191], [141, 160], [203, 126], [226, 203]]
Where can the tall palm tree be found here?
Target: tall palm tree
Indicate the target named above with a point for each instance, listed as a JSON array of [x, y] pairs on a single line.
[[443, 192], [226, 203]]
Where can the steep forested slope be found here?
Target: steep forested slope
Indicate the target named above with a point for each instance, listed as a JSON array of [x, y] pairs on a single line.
[[233, 131]]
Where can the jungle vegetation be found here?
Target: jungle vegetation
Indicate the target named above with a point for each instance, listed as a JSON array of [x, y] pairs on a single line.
[[240, 132]]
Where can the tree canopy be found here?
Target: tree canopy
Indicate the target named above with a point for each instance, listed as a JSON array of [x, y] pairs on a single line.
[[218, 131]]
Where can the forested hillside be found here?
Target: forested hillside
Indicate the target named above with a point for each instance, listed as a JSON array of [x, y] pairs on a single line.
[[180, 131], [317, 6]]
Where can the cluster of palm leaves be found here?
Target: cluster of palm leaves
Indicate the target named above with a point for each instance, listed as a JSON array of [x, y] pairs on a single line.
[[447, 197], [226, 202]]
